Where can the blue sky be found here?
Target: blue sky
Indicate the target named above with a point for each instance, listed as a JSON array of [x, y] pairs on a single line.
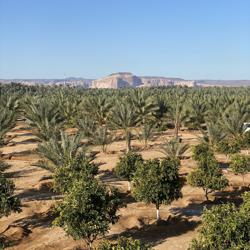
[[193, 39]]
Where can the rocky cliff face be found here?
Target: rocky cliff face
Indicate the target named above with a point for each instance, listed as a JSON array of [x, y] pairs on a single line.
[[148, 81], [126, 79], [114, 81], [117, 80]]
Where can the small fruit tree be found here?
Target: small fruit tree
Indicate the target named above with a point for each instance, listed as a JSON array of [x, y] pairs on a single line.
[[208, 174], [225, 227], [124, 244], [87, 210], [126, 166], [240, 164], [157, 182]]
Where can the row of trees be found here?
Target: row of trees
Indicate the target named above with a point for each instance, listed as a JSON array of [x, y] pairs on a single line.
[[98, 116], [89, 206], [219, 113], [8, 201]]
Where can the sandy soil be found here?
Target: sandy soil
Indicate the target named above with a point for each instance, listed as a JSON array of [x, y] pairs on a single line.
[[31, 229]]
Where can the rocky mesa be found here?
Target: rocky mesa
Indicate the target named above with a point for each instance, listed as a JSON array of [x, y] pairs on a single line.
[[127, 79]]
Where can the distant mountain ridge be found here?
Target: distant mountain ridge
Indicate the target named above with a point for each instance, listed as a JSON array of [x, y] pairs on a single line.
[[127, 79]]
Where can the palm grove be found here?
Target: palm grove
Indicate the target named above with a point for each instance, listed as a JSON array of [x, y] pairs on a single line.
[[68, 122]]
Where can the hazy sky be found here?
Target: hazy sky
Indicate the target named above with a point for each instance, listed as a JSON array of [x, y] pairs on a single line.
[[193, 39]]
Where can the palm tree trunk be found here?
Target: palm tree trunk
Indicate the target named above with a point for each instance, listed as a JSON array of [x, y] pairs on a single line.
[[176, 127], [128, 141]]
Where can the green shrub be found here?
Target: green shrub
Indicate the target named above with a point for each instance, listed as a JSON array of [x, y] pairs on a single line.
[[157, 182], [227, 147], [202, 152], [225, 227], [87, 210], [208, 176], [127, 165], [73, 170], [240, 164], [124, 244]]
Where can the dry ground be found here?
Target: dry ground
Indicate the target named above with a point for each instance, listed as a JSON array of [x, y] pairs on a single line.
[[31, 229]]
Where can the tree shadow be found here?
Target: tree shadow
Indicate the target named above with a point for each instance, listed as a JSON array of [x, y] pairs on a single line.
[[224, 165], [195, 208], [127, 198], [24, 128], [25, 226], [156, 233], [233, 196], [36, 220], [24, 142], [9, 156], [108, 176], [38, 195], [46, 177], [21, 173]]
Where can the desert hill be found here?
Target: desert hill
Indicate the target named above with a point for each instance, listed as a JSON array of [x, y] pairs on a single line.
[[127, 79]]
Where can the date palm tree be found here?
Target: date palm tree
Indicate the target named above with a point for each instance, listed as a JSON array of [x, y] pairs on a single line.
[[196, 113], [57, 151], [146, 133], [213, 134], [102, 137], [10, 102], [144, 104], [174, 148], [177, 112], [44, 116], [9, 105], [86, 126], [7, 122], [233, 118], [98, 108], [68, 106], [124, 117]]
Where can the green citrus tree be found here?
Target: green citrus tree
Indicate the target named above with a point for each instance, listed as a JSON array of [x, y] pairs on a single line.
[[208, 176], [124, 244], [240, 164], [225, 227], [87, 210], [126, 166], [8, 201], [74, 169], [157, 182]]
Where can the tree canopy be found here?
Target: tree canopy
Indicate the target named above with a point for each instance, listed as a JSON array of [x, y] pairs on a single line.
[[157, 182]]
